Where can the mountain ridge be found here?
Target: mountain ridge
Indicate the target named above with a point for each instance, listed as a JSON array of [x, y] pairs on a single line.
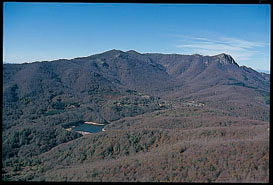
[[220, 55], [145, 101]]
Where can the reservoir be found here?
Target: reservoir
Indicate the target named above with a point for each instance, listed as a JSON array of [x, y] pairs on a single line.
[[88, 128]]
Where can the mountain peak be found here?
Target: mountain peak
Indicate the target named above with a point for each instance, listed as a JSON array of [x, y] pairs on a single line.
[[226, 59], [132, 52], [196, 54], [114, 51], [222, 54], [111, 53]]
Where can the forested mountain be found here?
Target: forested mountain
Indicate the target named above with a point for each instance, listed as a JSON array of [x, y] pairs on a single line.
[[168, 117]]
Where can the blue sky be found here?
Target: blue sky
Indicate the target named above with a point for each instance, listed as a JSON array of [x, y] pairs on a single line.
[[48, 31]]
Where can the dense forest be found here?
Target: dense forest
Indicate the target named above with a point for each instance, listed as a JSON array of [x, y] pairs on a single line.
[[167, 117]]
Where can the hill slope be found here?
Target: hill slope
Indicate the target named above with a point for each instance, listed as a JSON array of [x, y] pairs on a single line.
[[146, 101]]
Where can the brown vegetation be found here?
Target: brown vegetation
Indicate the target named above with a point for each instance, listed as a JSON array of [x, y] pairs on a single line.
[[168, 118]]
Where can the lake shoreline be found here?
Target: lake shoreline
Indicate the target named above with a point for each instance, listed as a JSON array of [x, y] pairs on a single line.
[[84, 128], [83, 133], [93, 123]]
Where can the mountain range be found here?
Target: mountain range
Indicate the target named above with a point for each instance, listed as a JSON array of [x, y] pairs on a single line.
[[147, 96]]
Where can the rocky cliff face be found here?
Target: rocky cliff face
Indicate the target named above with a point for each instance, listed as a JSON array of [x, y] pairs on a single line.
[[226, 59]]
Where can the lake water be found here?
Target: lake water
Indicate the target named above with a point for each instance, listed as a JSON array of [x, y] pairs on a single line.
[[89, 128]]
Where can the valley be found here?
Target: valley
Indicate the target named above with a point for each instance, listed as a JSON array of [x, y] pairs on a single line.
[[135, 117]]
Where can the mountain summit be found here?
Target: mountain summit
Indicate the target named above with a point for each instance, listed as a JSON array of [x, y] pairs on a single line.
[[226, 59]]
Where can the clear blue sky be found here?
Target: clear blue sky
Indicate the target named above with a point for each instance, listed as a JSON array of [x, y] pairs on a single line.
[[48, 31]]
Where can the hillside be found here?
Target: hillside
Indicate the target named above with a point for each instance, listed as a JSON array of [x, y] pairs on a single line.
[[168, 117]]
